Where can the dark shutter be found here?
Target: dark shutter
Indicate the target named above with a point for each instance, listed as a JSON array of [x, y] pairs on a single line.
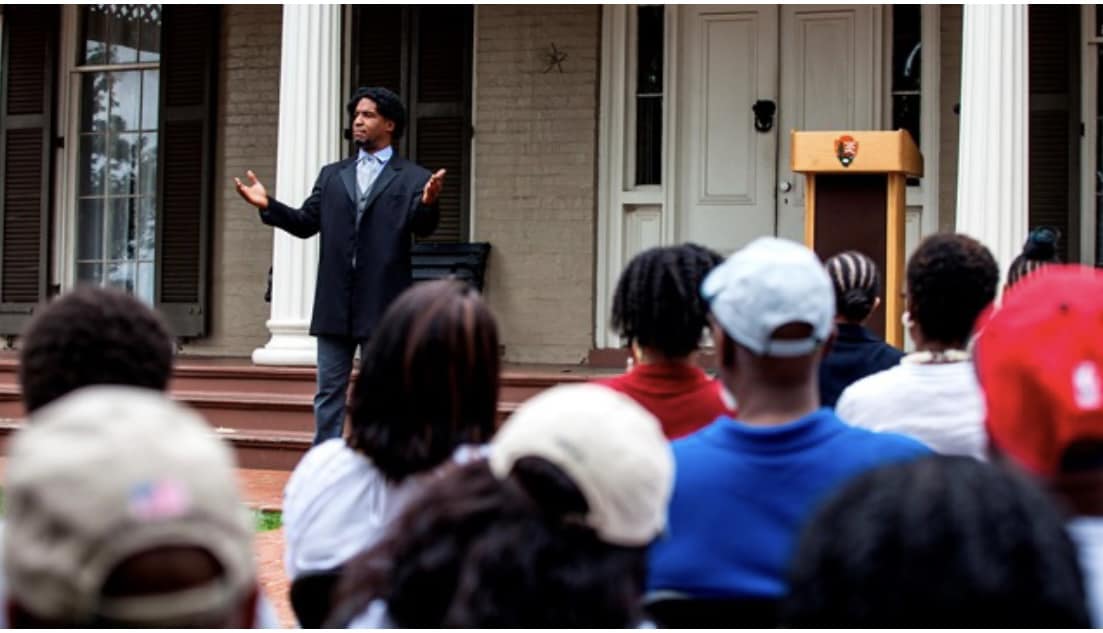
[[424, 54], [189, 58], [26, 125], [1054, 124]]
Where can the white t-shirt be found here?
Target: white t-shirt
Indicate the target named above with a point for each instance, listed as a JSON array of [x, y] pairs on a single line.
[[336, 505], [939, 404], [1087, 534]]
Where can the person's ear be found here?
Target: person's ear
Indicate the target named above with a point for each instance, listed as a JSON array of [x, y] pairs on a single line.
[[388, 125], [876, 304], [725, 348]]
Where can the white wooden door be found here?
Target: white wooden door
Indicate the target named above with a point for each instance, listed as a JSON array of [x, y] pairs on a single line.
[[733, 182], [725, 170], [830, 80]]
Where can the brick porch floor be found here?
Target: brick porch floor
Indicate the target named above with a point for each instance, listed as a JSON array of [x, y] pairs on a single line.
[[263, 489]]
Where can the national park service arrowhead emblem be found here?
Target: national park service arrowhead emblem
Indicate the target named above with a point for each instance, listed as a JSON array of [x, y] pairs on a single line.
[[846, 148]]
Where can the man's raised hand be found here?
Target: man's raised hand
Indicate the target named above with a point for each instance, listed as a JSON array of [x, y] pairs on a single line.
[[255, 194], [432, 188]]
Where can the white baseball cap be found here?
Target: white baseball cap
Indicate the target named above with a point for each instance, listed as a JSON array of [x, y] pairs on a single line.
[[769, 283], [611, 448], [108, 472]]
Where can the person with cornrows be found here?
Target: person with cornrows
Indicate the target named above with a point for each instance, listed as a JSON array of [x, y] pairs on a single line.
[[658, 309], [857, 352], [933, 395]]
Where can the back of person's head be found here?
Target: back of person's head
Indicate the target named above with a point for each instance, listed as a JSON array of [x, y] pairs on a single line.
[[1039, 250], [657, 305], [123, 510], [1039, 361], [856, 282], [938, 542], [387, 104], [552, 531], [775, 309], [93, 336], [951, 279], [429, 380]]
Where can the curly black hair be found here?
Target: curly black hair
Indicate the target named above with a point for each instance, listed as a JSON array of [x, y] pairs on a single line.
[[937, 542], [1039, 250], [951, 279], [387, 104], [428, 381], [477, 551], [856, 282], [657, 302], [93, 336]]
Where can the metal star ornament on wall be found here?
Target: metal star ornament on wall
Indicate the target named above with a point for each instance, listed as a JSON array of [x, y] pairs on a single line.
[[556, 58]]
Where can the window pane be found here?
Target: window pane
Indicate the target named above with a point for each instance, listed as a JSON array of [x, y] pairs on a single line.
[[120, 275], [144, 285], [93, 164], [94, 35], [1098, 21], [123, 152], [147, 156], [126, 100], [121, 214], [649, 130], [649, 95], [90, 272], [147, 228], [94, 97], [124, 34], [905, 114], [151, 34], [906, 44], [649, 50], [90, 229], [150, 98]]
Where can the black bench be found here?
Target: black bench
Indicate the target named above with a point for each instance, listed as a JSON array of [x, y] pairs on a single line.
[[441, 260]]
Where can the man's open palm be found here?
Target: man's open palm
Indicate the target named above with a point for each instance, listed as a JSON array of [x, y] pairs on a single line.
[[255, 194], [432, 187]]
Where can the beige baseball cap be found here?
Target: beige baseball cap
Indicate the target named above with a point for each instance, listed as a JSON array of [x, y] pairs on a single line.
[[108, 472], [612, 449]]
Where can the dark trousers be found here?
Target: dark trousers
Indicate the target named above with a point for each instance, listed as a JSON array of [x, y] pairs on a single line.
[[335, 355]]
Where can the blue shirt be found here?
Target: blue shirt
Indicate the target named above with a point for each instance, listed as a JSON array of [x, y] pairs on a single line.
[[855, 354], [742, 493]]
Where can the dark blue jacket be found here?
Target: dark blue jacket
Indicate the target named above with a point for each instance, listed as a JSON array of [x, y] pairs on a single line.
[[349, 300], [856, 354]]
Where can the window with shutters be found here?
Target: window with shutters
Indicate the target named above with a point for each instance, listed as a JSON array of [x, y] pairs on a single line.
[[138, 128], [424, 55], [118, 132]]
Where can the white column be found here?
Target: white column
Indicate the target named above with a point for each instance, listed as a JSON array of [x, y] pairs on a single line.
[[992, 192], [309, 137]]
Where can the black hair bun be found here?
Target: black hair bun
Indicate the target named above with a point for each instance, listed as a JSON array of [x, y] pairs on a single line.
[[1041, 244]]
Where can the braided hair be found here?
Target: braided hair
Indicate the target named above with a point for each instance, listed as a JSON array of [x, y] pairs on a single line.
[[854, 276], [1039, 250], [657, 303]]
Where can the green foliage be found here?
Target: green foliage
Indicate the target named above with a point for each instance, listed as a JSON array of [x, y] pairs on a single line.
[[267, 520]]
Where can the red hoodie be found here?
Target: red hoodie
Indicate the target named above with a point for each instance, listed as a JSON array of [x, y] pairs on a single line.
[[683, 397]]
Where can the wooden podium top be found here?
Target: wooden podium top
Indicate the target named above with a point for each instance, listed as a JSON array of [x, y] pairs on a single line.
[[856, 152]]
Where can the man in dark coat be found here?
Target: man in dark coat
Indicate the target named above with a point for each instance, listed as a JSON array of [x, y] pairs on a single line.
[[365, 208]]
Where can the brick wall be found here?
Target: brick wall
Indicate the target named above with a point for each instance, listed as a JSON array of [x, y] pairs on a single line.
[[535, 172], [248, 112], [950, 91]]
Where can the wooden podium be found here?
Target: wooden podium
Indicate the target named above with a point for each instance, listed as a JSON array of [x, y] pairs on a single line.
[[854, 199]]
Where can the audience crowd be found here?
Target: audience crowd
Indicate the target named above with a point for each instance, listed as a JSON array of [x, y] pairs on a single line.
[[766, 460]]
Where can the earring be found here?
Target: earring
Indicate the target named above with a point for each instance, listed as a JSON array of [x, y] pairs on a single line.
[[906, 319]]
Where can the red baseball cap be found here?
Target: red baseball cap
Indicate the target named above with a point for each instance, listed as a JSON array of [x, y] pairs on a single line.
[[1039, 359]]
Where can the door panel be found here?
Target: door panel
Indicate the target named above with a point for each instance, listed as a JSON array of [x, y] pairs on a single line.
[[725, 168], [828, 82]]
